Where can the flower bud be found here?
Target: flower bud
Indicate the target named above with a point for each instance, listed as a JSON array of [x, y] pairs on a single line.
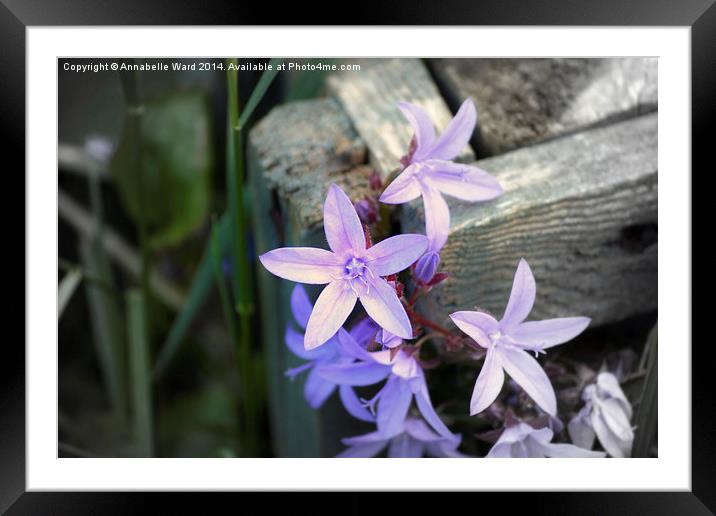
[[426, 267], [367, 211]]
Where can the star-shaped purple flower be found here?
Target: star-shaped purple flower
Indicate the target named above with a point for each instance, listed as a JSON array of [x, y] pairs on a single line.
[[509, 340], [350, 270], [414, 439], [405, 382], [317, 389], [429, 172]]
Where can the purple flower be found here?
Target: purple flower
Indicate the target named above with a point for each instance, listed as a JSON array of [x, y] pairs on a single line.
[[351, 271], [414, 439], [508, 341], [523, 441], [405, 382], [606, 415], [429, 171], [317, 390]]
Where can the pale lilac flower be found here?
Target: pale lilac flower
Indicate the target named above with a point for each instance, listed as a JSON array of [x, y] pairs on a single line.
[[413, 439], [509, 340], [606, 414], [429, 172], [523, 441], [405, 382], [317, 389], [351, 271]]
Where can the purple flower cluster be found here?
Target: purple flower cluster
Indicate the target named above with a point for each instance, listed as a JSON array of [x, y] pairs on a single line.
[[380, 349]]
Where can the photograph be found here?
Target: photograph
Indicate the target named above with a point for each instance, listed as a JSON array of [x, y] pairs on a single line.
[[357, 257]]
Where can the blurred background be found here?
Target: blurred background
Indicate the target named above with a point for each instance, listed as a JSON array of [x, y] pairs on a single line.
[[171, 337]]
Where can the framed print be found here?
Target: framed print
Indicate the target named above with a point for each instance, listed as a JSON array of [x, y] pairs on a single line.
[[255, 261]]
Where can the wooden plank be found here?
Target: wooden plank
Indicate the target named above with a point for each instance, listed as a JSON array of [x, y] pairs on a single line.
[[370, 98], [581, 209], [295, 152], [524, 101]]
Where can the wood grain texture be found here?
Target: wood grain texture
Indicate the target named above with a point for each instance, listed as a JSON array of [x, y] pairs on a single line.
[[524, 101], [301, 149], [370, 98], [581, 209]]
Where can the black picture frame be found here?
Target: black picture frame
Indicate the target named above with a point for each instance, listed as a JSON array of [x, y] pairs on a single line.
[[17, 15]]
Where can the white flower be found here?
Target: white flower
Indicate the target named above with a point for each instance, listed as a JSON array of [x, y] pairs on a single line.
[[606, 414], [522, 441]]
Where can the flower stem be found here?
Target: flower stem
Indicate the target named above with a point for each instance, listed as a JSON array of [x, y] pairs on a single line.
[[241, 279], [427, 323]]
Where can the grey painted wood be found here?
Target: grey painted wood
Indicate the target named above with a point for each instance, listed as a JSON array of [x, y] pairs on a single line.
[[581, 209], [370, 98], [523, 101]]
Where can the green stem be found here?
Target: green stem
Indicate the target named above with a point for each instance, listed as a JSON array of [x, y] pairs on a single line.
[[241, 277], [140, 373], [135, 112]]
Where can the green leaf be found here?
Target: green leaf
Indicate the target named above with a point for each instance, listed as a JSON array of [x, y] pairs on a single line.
[[306, 84], [106, 322], [221, 285], [259, 91], [177, 160], [199, 290], [139, 373], [67, 288], [646, 420]]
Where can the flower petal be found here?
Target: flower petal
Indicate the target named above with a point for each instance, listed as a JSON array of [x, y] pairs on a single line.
[[349, 346], [403, 188], [550, 332], [580, 430], [425, 405], [343, 228], [444, 449], [489, 382], [527, 372], [404, 446], [617, 421], [317, 390], [611, 443], [608, 383], [364, 331], [418, 429], [362, 450], [294, 342], [500, 451], [393, 406], [464, 182], [395, 254], [372, 437], [478, 325], [437, 217], [422, 127], [303, 264], [563, 451], [383, 306], [357, 374], [331, 310], [301, 306], [353, 405], [522, 297], [456, 135]]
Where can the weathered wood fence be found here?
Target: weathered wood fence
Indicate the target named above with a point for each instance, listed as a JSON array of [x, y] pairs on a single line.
[[573, 141]]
